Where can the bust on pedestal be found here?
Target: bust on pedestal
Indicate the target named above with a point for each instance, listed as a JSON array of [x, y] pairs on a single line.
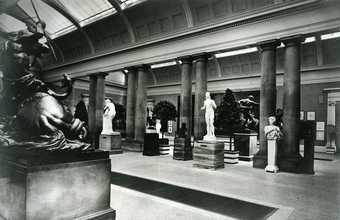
[[272, 133], [110, 140]]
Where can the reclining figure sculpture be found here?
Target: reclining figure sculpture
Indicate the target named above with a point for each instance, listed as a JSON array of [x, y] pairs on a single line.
[[31, 114]]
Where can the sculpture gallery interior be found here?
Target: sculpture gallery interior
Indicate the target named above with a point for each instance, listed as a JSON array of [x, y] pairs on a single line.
[[169, 109]]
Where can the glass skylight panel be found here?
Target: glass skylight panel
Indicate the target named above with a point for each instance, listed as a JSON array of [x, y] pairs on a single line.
[[10, 24], [88, 11], [56, 23], [128, 3], [160, 65]]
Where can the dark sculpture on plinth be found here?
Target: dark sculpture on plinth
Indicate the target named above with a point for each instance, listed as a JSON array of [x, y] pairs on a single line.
[[31, 114]]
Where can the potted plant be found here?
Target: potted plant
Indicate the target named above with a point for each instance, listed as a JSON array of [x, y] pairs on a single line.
[[165, 111], [228, 115]]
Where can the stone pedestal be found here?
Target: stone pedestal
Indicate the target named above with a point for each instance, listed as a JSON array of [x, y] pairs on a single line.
[[111, 143], [209, 155], [71, 185], [151, 146], [182, 149], [272, 154], [164, 147], [246, 144]]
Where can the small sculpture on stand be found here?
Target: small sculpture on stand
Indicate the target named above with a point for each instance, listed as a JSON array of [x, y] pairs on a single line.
[[209, 107], [272, 133], [110, 140]]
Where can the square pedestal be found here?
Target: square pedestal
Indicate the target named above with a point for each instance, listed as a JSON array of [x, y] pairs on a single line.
[[182, 149], [111, 143], [55, 185], [246, 144], [209, 155], [151, 145]]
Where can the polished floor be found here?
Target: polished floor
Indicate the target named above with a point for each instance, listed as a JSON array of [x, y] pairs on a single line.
[[159, 187]]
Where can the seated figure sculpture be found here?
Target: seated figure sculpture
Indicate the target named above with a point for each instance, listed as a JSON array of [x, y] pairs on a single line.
[[209, 106], [31, 114]]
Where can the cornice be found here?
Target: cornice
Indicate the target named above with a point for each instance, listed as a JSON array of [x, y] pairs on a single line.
[[240, 19]]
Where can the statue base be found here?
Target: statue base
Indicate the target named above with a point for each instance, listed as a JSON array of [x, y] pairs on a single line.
[[111, 142], [209, 138], [271, 168], [182, 149], [209, 154], [246, 144], [55, 185]]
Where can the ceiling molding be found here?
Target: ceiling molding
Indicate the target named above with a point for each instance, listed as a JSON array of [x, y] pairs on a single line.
[[188, 13], [125, 19], [59, 8]]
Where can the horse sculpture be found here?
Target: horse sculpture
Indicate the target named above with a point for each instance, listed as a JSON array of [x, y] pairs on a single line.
[[32, 115]]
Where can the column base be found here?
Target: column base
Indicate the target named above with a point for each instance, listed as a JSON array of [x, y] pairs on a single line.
[[290, 163], [260, 161], [271, 168]]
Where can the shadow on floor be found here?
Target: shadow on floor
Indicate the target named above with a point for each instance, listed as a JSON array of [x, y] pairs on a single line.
[[211, 202]]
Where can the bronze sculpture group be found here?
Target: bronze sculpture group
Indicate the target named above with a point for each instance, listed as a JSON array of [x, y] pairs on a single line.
[[31, 114]]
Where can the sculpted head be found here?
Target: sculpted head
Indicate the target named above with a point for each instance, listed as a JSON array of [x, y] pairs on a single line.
[[271, 120], [207, 95]]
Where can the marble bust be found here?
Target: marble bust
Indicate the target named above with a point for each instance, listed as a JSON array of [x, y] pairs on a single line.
[[272, 131], [209, 106], [109, 114]]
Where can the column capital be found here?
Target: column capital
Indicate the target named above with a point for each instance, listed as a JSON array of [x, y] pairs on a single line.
[[268, 45], [202, 57], [293, 40], [186, 59], [132, 69], [100, 74], [144, 67]]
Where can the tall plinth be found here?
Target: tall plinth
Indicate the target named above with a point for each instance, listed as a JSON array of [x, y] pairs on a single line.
[[69, 185]]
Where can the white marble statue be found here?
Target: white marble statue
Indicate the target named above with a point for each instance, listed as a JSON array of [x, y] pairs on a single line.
[[109, 114], [272, 133], [209, 107]]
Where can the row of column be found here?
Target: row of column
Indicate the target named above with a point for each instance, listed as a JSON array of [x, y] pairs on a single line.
[[136, 97], [290, 156]]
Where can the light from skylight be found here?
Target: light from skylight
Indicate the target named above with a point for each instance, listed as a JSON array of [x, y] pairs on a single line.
[[236, 52], [330, 36], [160, 65]]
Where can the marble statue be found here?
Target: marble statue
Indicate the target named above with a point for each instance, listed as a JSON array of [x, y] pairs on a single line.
[[209, 106], [31, 113], [108, 116], [272, 133]]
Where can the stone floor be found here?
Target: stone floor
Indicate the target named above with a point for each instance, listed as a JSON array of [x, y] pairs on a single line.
[[295, 196]]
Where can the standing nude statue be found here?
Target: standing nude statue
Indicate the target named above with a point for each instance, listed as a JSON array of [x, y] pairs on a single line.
[[209, 107]]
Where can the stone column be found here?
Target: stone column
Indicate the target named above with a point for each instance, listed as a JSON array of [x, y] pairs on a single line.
[[186, 96], [291, 104], [200, 90], [337, 126], [267, 96], [131, 103], [96, 105], [140, 113]]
